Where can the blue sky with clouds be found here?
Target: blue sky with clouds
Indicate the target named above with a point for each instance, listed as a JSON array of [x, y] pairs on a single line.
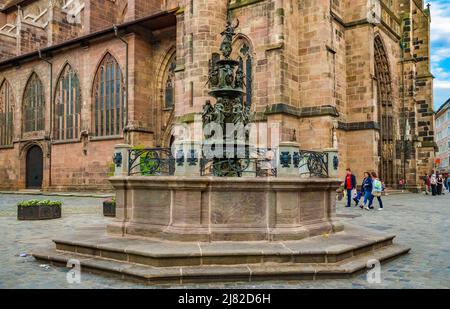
[[440, 50]]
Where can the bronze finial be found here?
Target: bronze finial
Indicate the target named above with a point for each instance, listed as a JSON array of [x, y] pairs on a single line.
[[228, 34]]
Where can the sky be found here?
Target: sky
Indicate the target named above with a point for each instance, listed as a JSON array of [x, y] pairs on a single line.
[[440, 50]]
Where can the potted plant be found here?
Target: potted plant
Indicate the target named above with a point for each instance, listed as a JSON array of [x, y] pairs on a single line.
[[109, 207], [39, 210]]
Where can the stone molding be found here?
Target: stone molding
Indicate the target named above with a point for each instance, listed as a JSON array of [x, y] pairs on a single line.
[[305, 112], [242, 3], [359, 126]]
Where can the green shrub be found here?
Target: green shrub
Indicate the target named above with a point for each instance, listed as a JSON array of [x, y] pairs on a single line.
[[111, 169], [39, 203], [148, 164]]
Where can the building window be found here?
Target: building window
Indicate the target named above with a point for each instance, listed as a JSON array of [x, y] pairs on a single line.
[[6, 114], [34, 105], [246, 64], [169, 98], [67, 111], [109, 99]]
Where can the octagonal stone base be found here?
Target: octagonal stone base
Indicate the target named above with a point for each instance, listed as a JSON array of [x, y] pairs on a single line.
[[339, 255], [209, 209], [178, 230]]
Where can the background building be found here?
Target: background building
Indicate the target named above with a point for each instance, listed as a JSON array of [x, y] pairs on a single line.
[[443, 136], [79, 76]]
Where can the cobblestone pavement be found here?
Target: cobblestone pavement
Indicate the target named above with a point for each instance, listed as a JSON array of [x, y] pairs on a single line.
[[419, 221]]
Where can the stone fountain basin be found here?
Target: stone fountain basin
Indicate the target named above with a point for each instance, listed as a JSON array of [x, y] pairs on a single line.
[[210, 209]]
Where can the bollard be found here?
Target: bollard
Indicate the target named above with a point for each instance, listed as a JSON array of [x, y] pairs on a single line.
[[121, 159], [288, 159]]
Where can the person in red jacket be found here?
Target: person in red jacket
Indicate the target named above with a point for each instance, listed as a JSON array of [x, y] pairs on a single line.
[[349, 186]]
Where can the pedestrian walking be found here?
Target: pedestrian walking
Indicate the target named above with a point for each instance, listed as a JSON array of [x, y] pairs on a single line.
[[367, 185], [440, 185], [349, 185], [402, 184], [377, 191], [448, 183], [360, 195], [427, 184], [433, 182]]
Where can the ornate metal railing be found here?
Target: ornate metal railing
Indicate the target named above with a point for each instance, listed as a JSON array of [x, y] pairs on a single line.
[[151, 162], [257, 163], [312, 163]]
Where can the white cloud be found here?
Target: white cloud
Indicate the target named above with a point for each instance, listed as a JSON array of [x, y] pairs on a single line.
[[440, 48], [441, 73], [439, 54], [441, 84], [440, 21]]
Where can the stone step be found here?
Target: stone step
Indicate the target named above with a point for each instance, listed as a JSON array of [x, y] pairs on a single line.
[[395, 192], [323, 249], [223, 273], [156, 261]]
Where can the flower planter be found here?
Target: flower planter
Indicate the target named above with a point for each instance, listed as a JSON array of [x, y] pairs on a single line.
[[109, 209], [38, 212]]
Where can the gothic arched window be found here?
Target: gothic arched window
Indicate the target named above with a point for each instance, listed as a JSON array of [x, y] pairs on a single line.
[[6, 114], [109, 98], [34, 105], [246, 64], [169, 90], [67, 120]]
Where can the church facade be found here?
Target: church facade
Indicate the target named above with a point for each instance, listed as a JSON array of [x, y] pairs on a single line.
[[78, 77]]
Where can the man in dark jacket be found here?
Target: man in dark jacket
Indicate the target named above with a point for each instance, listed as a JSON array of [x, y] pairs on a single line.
[[427, 183], [349, 186]]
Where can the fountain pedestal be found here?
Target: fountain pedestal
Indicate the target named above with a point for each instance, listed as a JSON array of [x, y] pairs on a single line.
[[177, 224]]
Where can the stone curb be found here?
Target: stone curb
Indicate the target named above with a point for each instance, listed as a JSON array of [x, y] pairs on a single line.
[[62, 194]]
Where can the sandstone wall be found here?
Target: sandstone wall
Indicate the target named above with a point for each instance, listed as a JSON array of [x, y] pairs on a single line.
[[314, 67], [64, 159]]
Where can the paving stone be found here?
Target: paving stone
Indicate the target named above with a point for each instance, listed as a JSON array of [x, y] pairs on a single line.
[[423, 224]]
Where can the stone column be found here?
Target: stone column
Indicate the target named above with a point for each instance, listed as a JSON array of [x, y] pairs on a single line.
[[187, 158], [288, 159], [333, 162], [121, 160]]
